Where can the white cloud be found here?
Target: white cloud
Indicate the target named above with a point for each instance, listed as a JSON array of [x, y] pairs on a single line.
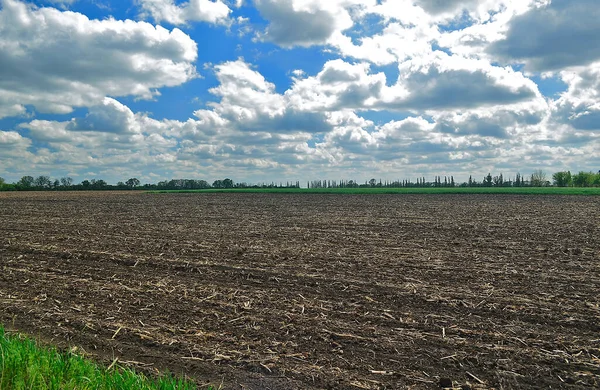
[[437, 7], [245, 93], [64, 4], [406, 12], [411, 28], [111, 136], [339, 85], [315, 22], [211, 11], [492, 25], [562, 34], [307, 22], [412, 143], [59, 60], [112, 155], [111, 116], [422, 147], [14, 152], [512, 122], [441, 82], [11, 140], [466, 115], [435, 82], [8, 109], [478, 11], [249, 102], [579, 106], [395, 43]]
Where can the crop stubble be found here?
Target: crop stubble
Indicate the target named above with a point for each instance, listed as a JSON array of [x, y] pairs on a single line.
[[282, 291]]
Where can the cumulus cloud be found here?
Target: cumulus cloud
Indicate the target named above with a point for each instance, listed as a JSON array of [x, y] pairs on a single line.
[[111, 136], [307, 22], [432, 83], [110, 116], [440, 81], [62, 3], [210, 11], [414, 143], [508, 122], [11, 141], [249, 102], [58, 60], [414, 28], [476, 11], [9, 109], [430, 12], [579, 105], [338, 85], [313, 22], [423, 147], [14, 152], [411, 136], [407, 87], [397, 42], [559, 35], [445, 6], [111, 155]]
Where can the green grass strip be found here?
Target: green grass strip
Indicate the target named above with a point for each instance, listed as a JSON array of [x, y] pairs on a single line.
[[457, 190], [25, 365]]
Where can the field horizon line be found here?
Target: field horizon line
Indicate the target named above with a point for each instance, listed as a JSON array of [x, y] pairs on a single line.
[[586, 191]]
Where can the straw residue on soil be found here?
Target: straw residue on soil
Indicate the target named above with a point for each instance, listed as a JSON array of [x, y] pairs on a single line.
[[259, 291]]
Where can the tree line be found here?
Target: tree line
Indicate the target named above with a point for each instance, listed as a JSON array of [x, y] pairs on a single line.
[[45, 183], [537, 179]]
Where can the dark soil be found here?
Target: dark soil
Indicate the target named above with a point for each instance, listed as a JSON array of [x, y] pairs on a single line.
[[282, 291]]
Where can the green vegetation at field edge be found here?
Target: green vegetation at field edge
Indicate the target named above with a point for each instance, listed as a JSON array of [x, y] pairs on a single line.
[[449, 190], [25, 365]]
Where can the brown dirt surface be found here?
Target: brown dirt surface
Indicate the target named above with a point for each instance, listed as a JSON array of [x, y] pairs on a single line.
[[283, 291]]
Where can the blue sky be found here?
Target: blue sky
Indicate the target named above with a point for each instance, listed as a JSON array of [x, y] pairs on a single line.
[[286, 90]]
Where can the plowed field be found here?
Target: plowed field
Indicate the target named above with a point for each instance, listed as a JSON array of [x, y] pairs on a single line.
[[283, 291]]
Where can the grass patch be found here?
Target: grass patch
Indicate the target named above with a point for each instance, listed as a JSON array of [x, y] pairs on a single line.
[[457, 190], [25, 365]]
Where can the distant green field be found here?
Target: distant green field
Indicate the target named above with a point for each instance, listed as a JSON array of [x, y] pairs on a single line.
[[460, 190]]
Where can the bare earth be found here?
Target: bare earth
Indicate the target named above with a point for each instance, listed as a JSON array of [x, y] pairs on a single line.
[[274, 291]]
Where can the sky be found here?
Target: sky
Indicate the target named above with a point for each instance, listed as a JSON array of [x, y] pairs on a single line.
[[287, 90]]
